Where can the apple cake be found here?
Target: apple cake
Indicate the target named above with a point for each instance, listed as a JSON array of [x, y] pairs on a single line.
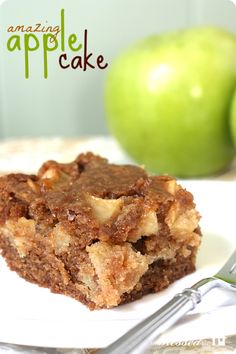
[[101, 233]]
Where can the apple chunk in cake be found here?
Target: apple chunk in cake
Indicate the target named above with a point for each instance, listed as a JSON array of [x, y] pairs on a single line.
[[101, 233]]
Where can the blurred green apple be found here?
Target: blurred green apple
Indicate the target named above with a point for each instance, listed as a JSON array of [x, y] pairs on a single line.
[[167, 101], [233, 118]]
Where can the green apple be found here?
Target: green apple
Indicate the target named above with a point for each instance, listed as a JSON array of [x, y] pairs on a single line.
[[167, 101], [233, 118]]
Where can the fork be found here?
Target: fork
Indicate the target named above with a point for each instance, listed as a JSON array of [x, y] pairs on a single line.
[[139, 338]]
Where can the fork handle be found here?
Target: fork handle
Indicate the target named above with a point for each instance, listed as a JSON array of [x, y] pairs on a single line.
[[139, 338]]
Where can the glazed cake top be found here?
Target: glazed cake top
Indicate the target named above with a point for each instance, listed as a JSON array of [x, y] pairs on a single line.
[[91, 198]]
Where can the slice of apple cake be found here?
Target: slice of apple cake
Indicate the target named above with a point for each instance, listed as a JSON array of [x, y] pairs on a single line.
[[101, 233]]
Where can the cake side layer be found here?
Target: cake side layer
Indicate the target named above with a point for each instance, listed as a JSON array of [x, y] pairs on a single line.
[[158, 276]]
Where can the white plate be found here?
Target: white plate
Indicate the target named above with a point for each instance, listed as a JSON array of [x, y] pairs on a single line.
[[33, 316]]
